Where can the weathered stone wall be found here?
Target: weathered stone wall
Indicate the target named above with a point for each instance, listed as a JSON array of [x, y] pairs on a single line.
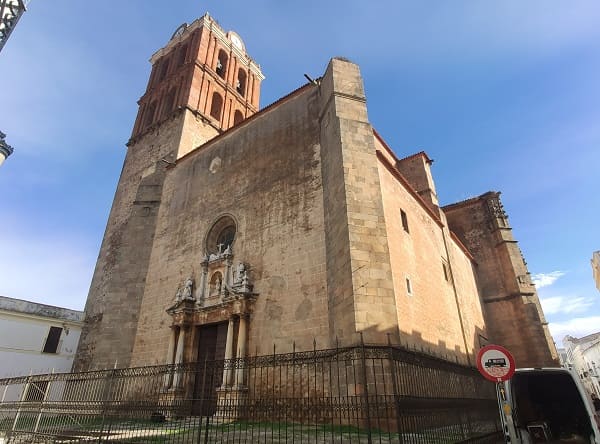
[[317, 213], [361, 293], [467, 293], [265, 174], [441, 303], [112, 307], [512, 307]]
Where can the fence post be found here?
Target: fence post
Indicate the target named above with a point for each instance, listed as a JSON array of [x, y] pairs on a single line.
[[365, 386], [201, 393], [105, 401], [4, 393], [37, 422], [23, 394], [395, 386]]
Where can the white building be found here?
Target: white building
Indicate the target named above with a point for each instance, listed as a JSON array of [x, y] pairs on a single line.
[[584, 355], [37, 338], [563, 357]]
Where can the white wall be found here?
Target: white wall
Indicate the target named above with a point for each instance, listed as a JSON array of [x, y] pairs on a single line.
[[592, 361], [585, 354], [22, 339]]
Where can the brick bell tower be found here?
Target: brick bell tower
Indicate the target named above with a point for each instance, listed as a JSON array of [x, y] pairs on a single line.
[[206, 72], [202, 83]]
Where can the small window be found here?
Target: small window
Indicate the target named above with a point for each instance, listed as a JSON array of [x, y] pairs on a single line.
[[216, 105], [446, 270], [51, 345], [404, 220], [408, 287]]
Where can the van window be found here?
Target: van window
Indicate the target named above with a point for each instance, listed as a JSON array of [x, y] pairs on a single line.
[[549, 403]]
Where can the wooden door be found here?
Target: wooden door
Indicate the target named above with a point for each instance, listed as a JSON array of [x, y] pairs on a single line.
[[209, 374]]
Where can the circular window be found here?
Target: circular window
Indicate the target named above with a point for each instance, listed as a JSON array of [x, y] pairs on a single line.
[[221, 235]]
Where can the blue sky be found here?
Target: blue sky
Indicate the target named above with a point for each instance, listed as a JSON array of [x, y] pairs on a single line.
[[502, 95]]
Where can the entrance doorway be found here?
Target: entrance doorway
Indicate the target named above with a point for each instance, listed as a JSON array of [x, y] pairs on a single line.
[[209, 375]]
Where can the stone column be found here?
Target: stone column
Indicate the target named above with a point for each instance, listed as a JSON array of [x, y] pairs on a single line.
[[241, 354], [231, 74], [228, 354], [179, 356], [254, 98], [170, 357], [201, 291], [171, 350], [209, 50], [227, 278], [215, 55]]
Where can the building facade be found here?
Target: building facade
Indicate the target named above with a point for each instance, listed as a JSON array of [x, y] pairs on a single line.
[[37, 338], [583, 355], [237, 231]]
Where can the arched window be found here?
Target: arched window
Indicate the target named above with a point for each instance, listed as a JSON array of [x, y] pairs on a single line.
[[221, 236], [216, 105], [222, 64], [149, 115], [237, 117], [241, 82], [169, 103], [182, 54], [226, 238]]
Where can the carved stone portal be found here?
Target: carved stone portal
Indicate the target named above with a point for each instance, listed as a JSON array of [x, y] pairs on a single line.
[[225, 294]]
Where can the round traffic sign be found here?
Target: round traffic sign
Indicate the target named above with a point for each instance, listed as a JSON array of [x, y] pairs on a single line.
[[495, 363]]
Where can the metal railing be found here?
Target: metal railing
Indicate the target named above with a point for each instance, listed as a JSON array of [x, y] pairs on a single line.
[[362, 394]]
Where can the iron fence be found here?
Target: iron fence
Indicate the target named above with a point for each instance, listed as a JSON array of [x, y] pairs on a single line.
[[362, 394]]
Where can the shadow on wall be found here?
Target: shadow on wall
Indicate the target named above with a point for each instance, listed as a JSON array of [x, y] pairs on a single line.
[[378, 337], [415, 341]]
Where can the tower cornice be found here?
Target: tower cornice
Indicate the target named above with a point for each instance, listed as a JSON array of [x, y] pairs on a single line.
[[206, 21]]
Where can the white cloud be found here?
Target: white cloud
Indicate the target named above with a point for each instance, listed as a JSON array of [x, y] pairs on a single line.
[[545, 279], [577, 327], [566, 304]]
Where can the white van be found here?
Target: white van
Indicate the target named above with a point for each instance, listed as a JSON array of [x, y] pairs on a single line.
[[547, 405]]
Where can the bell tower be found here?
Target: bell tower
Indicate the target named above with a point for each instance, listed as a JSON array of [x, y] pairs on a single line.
[[202, 83], [205, 72]]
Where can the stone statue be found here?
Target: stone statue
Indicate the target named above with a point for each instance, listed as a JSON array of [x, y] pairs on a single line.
[[219, 284], [178, 295], [240, 273], [187, 289]]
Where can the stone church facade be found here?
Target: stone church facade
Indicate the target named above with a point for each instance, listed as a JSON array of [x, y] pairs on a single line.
[[234, 230]]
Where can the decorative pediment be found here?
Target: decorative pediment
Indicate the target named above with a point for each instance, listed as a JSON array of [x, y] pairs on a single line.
[[221, 282]]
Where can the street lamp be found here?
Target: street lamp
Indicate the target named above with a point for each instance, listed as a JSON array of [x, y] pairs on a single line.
[[5, 149]]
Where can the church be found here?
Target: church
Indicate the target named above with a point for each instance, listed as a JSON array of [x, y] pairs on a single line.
[[237, 231]]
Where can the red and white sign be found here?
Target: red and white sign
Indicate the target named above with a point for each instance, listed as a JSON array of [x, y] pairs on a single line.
[[495, 363]]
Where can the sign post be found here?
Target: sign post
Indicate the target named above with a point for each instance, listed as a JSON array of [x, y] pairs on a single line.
[[496, 364]]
